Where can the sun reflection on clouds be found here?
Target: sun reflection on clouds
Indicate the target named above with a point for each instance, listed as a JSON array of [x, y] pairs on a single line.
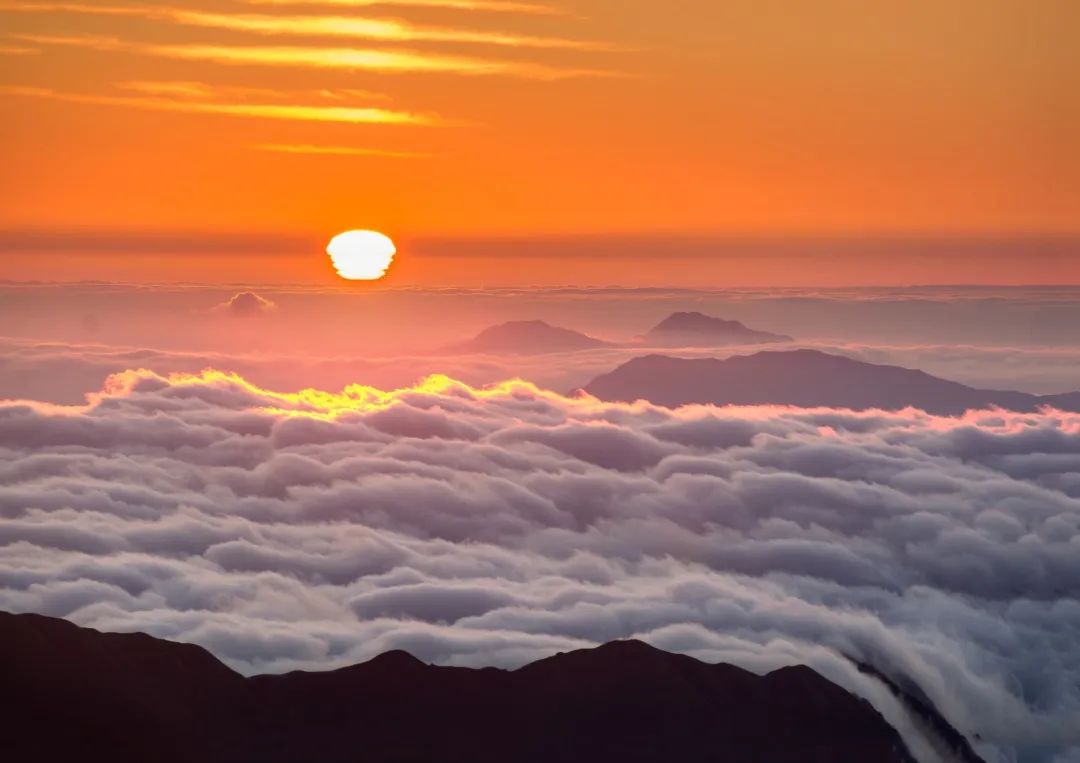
[[441, 390], [309, 402]]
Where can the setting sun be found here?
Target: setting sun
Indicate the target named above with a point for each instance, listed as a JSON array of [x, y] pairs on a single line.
[[361, 255]]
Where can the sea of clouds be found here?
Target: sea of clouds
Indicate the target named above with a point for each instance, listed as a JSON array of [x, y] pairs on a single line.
[[497, 526]]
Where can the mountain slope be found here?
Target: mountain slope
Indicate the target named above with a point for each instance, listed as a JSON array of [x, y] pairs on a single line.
[[688, 329], [527, 337], [805, 378], [74, 693]]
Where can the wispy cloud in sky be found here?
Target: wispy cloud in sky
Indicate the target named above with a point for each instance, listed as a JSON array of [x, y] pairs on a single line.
[[365, 115], [369, 59], [465, 5], [17, 50], [205, 90], [338, 151], [314, 33], [381, 29]]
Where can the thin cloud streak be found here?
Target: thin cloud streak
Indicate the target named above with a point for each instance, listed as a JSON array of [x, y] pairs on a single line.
[[368, 59], [180, 89], [337, 151], [384, 30], [265, 111], [205, 91], [463, 5], [17, 50]]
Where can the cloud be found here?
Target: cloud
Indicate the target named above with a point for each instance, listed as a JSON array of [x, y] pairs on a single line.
[[310, 150], [497, 525], [246, 304], [66, 371], [356, 27], [346, 114], [17, 50], [499, 6], [206, 91], [384, 60]]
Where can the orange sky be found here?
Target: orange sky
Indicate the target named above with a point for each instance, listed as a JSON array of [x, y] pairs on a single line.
[[499, 119]]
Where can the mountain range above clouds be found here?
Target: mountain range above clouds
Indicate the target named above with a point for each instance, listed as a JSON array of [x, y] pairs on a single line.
[[804, 378], [74, 692], [679, 329]]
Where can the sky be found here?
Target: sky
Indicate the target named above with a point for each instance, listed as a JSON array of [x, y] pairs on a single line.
[[746, 143], [208, 434]]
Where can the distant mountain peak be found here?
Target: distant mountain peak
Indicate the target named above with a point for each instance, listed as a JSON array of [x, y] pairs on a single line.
[[525, 337], [690, 328], [695, 321], [398, 658], [625, 652], [628, 646]]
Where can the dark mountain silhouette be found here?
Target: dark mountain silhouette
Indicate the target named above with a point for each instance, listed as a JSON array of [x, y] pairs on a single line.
[[73, 693], [805, 378], [698, 329], [528, 337]]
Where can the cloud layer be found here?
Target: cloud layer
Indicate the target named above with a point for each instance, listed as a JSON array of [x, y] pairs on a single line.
[[496, 526], [63, 372]]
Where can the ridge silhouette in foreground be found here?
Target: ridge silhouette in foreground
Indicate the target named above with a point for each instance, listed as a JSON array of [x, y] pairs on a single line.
[[74, 693]]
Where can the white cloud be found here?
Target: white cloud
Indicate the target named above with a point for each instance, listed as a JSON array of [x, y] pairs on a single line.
[[494, 527]]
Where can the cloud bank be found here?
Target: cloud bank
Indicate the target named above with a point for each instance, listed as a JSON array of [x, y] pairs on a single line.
[[499, 525], [64, 372]]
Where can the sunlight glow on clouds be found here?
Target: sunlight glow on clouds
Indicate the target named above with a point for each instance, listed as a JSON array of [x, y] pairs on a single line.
[[17, 50], [385, 30], [499, 6], [207, 91], [480, 526], [380, 60], [178, 33], [310, 150], [264, 110]]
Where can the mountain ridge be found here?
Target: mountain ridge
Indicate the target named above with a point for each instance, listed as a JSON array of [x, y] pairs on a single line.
[[683, 329], [804, 378], [143, 698]]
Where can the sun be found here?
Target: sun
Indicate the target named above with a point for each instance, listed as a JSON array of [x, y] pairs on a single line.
[[361, 255]]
